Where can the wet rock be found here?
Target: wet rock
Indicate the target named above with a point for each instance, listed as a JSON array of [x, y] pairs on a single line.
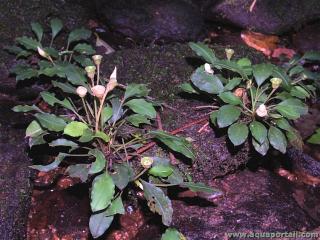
[[14, 173], [152, 20], [268, 16], [308, 38], [253, 202]]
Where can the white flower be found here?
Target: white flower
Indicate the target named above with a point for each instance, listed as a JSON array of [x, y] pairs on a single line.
[[262, 111], [97, 59], [81, 91], [42, 53], [229, 53], [98, 91], [146, 162], [208, 68], [113, 80]]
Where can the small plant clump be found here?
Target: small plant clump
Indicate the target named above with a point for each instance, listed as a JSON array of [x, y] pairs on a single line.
[[261, 99], [84, 124]]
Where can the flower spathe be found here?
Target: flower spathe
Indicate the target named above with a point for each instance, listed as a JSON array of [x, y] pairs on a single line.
[[262, 111], [113, 80], [229, 53], [208, 68], [81, 91], [146, 162], [91, 70], [97, 59], [275, 82], [98, 91]]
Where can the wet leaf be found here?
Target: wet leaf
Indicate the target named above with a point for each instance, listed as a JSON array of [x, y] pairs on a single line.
[[51, 166], [258, 131], [99, 164], [51, 122], [227, 115], [75, 129], [277, 139], [99, 223], [102, 192], [37, 29], [262, 72], [238, 133], [206, 82], [158, 202], [177, 144], [136, 90], [56, 26]]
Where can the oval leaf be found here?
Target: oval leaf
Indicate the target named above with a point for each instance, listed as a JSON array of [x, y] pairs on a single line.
[[75, 129], [227, 115], [258, 131], [277, 139], [238, 133], [102, 192]]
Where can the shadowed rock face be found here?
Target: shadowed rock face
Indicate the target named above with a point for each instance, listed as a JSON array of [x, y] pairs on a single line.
[[165, 20], [268, 16]]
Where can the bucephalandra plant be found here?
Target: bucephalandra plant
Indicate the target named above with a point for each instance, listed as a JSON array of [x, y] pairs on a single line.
[[83, 123], [261, 100]]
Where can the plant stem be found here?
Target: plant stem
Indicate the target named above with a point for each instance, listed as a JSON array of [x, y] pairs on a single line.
[[165, 184], [86, 110], [98, 74], [140, 174]]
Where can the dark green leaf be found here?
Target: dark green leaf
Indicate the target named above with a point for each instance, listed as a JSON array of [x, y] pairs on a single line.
[[137, 119], [281, 73], [51, 122], [37, 29], [232, 66], [176, 177], [262, 72], [122, 174], [84, 48], [136, 90], [99, 223], [232, 84], [83, 60], [78, 171], [229, 97], [295, 139], [292, 108], [52, 52], [277, 139], [227, 115], [283, 124], [25, 108], [99, 164], [206, 82], [142, 107], [213, 118], [51, 166], [116, 109], [261, 148], [79, 34], [299, 92], [158, 202], [38, 140], [102, 192], [238, 133], [106, 114], [24, 72], [56, 26], [203, 51], [258, 131], [51, 99], [66, 87], [311, 56], [177, 144], [75, 75], [315, 138], [28, 43]]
